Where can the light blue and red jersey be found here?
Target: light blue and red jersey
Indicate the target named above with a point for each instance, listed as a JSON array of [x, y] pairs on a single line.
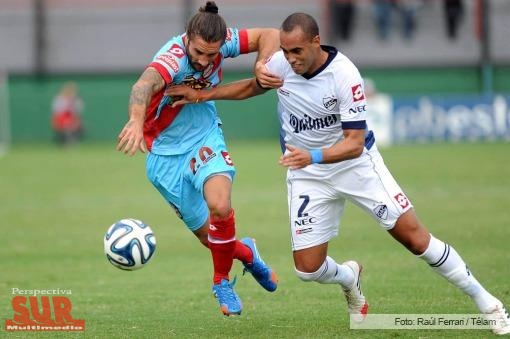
[[168, 130]]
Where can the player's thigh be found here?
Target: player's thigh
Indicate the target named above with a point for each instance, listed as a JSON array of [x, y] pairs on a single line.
[[313, 211], [371, 186], [167, 174]]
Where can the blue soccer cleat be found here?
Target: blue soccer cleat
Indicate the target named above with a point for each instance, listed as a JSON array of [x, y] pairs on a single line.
[[227, 297], [260, 271]]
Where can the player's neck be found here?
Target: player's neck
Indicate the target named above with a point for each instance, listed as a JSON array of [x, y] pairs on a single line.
[[320, 61]]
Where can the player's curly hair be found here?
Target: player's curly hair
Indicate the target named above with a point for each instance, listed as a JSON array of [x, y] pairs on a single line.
[[207, 24]]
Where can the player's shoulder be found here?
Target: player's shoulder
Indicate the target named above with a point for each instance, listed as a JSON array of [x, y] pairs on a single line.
[[343, 70], [341, 64], [171, 59], [174, 46], [276, 59], [277, 63]]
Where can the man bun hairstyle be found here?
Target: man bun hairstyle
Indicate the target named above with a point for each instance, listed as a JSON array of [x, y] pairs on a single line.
[[207, 24], [305, 21], [210, 7]]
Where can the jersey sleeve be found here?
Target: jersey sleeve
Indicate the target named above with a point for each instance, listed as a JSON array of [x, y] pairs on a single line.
[[236, 43], [169, 60], [277, 64], [353, 103]]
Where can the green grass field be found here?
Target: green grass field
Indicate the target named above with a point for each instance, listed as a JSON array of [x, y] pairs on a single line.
[[56, 204]]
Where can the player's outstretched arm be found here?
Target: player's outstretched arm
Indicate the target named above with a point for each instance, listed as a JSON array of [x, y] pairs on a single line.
[[265, 41], [131, 137], [237, 90]]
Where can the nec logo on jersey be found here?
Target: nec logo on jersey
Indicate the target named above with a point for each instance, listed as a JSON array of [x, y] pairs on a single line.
[[357, 93], [358, 109], [176, 50], [329, 102]]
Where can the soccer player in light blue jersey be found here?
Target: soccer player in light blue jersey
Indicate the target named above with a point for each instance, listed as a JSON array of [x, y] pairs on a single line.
[[331, 156], [188, 161]]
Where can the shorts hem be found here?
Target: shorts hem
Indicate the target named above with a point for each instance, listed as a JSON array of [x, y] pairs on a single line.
[[194, 226], [314, 243], [390, 227]]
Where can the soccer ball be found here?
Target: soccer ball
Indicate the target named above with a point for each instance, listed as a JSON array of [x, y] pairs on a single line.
[[129, 244]]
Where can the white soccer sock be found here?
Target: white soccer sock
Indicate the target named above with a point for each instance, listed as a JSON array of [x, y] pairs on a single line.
[[330, 273], [447, 262]]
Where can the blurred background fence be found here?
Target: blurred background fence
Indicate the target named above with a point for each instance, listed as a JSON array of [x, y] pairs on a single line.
[[404, 47]]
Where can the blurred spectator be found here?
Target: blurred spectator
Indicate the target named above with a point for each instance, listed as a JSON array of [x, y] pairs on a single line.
[[66, 117], [342, 18], [454, 11], [383, 12], [408, 10]]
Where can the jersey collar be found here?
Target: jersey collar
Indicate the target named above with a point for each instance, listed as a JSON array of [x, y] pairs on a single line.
[[332, 51]]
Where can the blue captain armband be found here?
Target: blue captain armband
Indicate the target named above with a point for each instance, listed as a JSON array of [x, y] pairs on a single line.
[[317, 156]]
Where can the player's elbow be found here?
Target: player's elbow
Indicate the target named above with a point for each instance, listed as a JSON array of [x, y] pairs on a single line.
[[140, 86]]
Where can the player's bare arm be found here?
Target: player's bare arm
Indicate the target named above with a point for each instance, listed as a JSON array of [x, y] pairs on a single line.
[[266, 41], [237, 90], [349, 148], [131, 137]]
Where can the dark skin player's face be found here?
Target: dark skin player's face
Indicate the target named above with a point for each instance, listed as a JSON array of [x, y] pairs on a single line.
[[201, 53], [302, 52]]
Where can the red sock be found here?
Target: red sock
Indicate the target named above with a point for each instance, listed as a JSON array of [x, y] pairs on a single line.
[[243, 253], [222, 246], [222, 256]]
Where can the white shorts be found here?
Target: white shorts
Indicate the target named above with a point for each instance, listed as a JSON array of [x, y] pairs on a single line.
[[317, 194]]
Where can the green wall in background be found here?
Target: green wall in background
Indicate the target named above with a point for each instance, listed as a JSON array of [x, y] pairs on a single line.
[[425, 81], [105, 113], [106, 98]]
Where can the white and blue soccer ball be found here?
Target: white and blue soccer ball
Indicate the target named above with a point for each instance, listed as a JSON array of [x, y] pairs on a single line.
[[129, 244]]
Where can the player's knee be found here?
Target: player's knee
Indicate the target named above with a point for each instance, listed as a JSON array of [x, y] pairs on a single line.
[[411, 233], [220, 209], [308, 276]]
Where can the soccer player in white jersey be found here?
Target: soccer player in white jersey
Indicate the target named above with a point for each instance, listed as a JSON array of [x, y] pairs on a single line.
[[188, 162], [332, 157]]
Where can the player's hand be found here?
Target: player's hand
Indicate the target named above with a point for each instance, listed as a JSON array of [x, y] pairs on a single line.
[[131, 138], [295, 158], [266, 79], [182, 94]]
